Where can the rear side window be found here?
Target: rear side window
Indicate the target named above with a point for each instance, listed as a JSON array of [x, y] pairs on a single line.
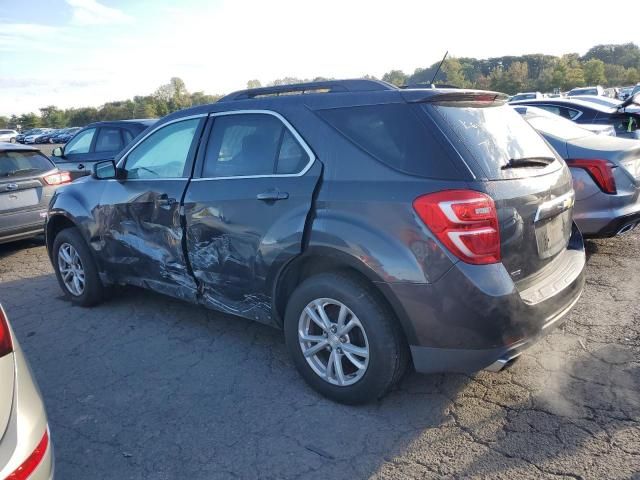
[[252, 144], [494, 135], [21, 164], [394, 135], [108, 140]]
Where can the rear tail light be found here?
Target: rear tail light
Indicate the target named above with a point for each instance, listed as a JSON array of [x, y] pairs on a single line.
[[58, 178], [6, 345], [600, 170], [31, 463], [465, 221]]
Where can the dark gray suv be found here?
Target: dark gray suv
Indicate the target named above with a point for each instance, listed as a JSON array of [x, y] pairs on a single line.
[[375, 225]]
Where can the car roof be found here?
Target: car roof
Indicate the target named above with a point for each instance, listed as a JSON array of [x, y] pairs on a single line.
[[16, 147], [144, 122], [566, 102], [324, 94]]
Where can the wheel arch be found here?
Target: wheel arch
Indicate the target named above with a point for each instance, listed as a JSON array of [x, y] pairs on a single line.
[[323, 260]]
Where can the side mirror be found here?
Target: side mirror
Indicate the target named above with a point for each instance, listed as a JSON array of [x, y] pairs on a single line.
[[57, 152], [104, 170]]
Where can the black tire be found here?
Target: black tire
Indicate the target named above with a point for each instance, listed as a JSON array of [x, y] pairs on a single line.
[[94, 291], [388, 350]]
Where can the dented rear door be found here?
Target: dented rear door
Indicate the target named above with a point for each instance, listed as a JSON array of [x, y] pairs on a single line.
[[246, 213]]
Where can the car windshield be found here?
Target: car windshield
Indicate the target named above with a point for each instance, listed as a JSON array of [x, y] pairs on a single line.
[[584, 91], [20, 164]]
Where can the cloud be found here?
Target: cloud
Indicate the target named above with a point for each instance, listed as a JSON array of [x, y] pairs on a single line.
[[90, 12], [23, 37]]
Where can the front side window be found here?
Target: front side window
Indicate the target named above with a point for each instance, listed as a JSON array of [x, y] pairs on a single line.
[[81, 143], [252, 144], [108, 140], [164, 153]]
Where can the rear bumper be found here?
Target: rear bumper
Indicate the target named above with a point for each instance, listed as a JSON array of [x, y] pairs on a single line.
[[24, 223], [476, 315], [617, 226]]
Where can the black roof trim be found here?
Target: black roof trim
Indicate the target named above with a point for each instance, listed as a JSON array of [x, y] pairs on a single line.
[[330, 86]]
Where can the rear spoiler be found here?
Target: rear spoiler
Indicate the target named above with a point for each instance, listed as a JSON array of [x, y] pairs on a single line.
[[458, 98], [633, 99]]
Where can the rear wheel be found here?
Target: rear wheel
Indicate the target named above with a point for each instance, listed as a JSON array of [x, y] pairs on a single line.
[[13, 140], [75, 269], [343, 339]]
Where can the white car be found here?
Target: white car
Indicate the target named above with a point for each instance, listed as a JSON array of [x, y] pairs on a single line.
[[26, 451], [8, 136]]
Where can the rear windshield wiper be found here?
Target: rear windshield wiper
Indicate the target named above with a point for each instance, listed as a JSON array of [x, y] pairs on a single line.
[[528, 162]]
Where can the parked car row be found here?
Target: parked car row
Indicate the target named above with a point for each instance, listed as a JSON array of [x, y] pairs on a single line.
[[591, 110], [375, 226]]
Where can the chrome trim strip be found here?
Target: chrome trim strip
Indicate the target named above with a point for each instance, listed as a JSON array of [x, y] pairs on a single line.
[[123, 158], [555, 206], [289, 127]]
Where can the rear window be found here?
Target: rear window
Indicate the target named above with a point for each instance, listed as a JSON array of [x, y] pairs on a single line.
[[494, 135], [395, 135], [22, 164]]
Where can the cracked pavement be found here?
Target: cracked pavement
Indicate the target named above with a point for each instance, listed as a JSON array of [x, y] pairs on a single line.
[[145, 386]]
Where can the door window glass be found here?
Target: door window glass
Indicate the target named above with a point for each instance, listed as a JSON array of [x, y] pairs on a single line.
[[81, 143], [164, 153], [252, 144], [108, 140]]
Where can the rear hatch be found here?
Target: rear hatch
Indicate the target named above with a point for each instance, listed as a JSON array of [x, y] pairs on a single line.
[[528, 181], [22, 188]]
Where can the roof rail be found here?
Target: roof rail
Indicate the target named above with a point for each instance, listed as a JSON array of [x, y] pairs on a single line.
[[328, 86]]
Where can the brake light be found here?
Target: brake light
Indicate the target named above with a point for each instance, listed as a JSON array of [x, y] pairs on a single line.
[[58, 178], [465, 221], [600, 170], [6, 345], [31, 463]]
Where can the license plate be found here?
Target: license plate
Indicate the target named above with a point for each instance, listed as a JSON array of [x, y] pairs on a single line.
[[18, 199], [552, 234]]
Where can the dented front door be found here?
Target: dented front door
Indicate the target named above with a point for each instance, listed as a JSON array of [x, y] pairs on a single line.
[[139, 215]]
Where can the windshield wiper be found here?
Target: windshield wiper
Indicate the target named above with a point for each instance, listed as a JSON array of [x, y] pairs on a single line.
[[528, 162]]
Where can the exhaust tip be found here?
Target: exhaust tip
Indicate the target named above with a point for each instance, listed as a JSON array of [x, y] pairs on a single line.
[[502, 363], [626, 228]]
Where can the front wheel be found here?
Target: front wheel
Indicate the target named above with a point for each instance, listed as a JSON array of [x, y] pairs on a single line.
[[13, 140], [75, 269], [343, 339]]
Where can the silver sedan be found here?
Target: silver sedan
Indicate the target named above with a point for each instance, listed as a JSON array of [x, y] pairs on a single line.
[[26, 451], [605, 171]]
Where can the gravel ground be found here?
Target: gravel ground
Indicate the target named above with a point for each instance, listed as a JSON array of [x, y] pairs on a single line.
[[147, 387]]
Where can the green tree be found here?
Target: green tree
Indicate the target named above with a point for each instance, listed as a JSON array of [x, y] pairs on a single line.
[[4, 121], [30, 120], [52, 116], [452, 70], [253, 83], [396, 77], [594, 72]]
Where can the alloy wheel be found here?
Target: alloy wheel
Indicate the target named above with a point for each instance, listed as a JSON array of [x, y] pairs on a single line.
[[71, 269], [333, 341]]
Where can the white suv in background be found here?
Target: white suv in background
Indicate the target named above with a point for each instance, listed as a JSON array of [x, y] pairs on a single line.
[[8, 136]]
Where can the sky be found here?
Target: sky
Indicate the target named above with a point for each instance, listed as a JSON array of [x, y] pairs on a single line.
[[73, 53]]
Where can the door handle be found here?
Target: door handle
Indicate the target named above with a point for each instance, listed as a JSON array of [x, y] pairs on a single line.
[[165, 201], [272, 196]]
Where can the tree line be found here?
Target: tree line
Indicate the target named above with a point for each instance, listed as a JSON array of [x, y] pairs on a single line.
[[607, 65]]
